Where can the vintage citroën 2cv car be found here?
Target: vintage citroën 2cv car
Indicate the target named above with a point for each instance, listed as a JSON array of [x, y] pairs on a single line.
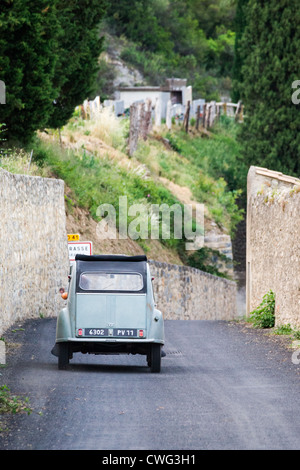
[[110, 309]]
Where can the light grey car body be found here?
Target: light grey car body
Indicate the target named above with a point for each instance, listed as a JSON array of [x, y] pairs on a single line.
[[110, 309]]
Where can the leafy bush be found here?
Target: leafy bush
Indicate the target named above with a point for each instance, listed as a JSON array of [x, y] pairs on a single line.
[[208, 260], [264, 315]]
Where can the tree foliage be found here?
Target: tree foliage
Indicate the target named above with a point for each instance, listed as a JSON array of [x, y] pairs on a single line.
[[270, 53], [136, 19], [188, 38], [79, 46], [239, 27], [213, 15], [28, 32], [49, 52]]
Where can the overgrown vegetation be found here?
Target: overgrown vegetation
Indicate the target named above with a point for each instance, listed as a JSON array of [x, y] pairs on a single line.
[[192, 164], [221, 174], [210, 261], [287, 330], [193, 39], [264, 315], [95, 181], [210, 167], [219, 156], [10, 403]]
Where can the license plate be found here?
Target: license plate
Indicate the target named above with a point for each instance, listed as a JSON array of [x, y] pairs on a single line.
[[96, 332], [111, 332], [124, 333]]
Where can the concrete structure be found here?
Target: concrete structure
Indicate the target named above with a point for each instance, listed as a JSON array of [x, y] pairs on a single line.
[[175, 90], [273, 246]]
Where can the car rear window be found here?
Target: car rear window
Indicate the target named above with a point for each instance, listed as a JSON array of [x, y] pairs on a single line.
[[111, 281]]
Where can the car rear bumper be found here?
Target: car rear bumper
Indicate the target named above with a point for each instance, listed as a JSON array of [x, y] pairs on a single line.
[[119, 346]]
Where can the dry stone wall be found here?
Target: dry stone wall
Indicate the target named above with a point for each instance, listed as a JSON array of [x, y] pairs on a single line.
[[185, 293], [34, 259], [273, 243]]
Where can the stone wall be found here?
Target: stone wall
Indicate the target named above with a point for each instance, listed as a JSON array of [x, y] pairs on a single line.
[[33, 247], [185, 293], [34, 261], [273, 247]]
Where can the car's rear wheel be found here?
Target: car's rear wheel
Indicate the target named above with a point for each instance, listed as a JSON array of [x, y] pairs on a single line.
[[63, 355], [155, 357]]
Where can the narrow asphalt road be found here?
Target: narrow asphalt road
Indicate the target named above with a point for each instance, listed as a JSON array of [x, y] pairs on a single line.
[[222, 386]]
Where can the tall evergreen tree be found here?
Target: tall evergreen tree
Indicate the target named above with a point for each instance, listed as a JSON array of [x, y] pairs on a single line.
[[271, 55], [49, 61], [239, 27], [28, 31], [79, 47]]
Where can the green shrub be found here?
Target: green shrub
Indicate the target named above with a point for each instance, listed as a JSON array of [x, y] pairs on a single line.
[[209, 260], [264, 315]]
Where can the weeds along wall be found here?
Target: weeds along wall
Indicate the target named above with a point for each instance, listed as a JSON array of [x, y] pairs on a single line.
[[273, 256], [34, 259], [185, 293]]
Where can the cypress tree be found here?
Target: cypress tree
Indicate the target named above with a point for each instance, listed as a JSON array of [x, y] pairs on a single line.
[[271, 54], [79, 47], [239, 27], [49, 61], [28, 31]]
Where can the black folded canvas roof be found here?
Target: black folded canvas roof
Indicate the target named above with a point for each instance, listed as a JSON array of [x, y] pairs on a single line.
[[112, 264], [111, 258]]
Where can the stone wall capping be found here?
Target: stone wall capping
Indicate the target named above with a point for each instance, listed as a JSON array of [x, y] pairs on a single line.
[[277, 175]]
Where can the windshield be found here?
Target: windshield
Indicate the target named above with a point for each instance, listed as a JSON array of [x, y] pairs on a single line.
[[111, 281]]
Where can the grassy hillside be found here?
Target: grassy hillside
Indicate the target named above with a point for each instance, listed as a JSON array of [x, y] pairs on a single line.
[[169, 167]]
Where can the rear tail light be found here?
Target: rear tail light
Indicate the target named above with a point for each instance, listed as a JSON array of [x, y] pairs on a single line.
[[141, 333], [80, 332]]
